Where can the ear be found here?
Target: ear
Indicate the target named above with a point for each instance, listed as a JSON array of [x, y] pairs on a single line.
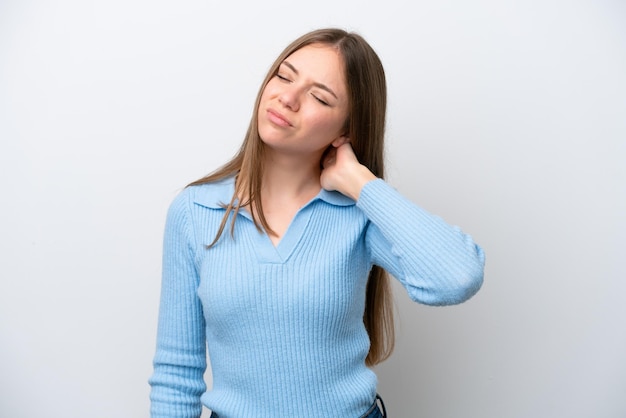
[[339, 141]]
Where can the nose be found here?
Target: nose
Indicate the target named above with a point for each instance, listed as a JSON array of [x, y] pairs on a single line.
[[290, 98]]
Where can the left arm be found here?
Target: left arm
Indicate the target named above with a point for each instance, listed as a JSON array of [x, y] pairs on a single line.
[[437, 263]]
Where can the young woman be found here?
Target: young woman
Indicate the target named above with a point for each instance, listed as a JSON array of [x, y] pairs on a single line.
[[279, 259]]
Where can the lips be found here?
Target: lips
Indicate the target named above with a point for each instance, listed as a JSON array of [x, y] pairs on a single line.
[[278, 118]]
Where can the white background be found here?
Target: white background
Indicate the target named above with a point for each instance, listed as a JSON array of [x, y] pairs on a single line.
[[507, 118]]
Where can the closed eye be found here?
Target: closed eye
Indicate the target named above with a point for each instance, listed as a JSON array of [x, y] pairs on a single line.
[[282, 77], [325, 103]]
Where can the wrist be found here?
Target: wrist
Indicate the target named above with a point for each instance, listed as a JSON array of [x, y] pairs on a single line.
[[358, 180]]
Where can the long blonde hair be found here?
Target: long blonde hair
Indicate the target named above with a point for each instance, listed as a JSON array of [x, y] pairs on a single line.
[[365, 126]]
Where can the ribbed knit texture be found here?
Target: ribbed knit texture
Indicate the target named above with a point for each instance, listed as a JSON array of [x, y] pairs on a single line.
[[284, 324]]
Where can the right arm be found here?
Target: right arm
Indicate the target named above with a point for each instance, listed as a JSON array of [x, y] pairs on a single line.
[[180, 360]]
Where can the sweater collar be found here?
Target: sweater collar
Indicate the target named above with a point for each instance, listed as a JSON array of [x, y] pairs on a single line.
[[217, 194]]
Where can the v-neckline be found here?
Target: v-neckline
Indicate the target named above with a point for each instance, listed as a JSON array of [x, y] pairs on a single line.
[[267, 252], [213, 196]]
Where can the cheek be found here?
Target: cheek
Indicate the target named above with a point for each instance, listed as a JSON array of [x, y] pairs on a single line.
[[264, 94], [272, 87], [265, 97], [330, 125], [268, 92]]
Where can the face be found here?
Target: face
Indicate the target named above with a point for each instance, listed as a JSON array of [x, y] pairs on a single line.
[[304, 107]]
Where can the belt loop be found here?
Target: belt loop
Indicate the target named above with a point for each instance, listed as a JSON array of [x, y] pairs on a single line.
[[382, 404]]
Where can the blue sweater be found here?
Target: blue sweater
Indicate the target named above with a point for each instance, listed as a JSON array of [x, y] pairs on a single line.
[[284, 325]]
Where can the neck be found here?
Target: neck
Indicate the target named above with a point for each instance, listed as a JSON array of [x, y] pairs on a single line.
[[286, 177]]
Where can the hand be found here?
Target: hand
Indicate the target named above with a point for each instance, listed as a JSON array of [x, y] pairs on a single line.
[[342, 171]]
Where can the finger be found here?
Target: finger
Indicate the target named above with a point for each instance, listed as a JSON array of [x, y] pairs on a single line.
[[340, 141], [345, 149], [330, 157]]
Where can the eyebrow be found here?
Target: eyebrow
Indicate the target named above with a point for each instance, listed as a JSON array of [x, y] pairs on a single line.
[[319, 85]]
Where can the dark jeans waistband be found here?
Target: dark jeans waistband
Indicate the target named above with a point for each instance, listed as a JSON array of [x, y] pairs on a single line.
[[377, 409]]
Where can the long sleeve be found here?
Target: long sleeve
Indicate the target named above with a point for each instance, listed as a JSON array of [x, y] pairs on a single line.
[[284, 323], [180, 359], [436, 263]]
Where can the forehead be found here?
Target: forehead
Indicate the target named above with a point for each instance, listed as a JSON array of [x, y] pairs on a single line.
[[322, 63]]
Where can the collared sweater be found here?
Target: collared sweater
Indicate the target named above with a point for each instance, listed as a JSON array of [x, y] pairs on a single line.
[[284, 324]]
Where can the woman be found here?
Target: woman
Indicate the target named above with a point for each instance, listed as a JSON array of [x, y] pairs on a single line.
[[276, 259]]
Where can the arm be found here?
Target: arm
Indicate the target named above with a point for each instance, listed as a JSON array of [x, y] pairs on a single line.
[[180, 359], [437, 263]]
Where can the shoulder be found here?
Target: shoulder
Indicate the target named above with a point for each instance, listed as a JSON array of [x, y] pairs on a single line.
[[210, 195], [192, 203]]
